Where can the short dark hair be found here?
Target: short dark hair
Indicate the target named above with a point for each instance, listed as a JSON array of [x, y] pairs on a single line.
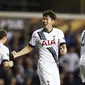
[[3, 33], [50, 13]]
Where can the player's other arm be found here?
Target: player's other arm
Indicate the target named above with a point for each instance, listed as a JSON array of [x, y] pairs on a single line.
[[7, 63], [63, 49], [24, 51]]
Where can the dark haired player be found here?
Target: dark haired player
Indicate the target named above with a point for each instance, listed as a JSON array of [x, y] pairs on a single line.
[[49, 40]]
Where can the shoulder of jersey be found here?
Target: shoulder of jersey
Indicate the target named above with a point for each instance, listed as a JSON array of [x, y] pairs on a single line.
[[58, 30], [83, 31], [5, 48], [38, 30], [55, 29]]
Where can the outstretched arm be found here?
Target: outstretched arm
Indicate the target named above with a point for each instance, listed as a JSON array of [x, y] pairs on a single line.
[[24, 51]]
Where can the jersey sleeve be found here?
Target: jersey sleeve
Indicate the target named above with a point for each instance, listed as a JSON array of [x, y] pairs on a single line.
[[82, 38], [33, 40], [61, 38], [5, 55], [82, 51]]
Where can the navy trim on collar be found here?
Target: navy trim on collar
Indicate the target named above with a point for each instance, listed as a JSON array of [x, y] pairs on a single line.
[[45, 30]]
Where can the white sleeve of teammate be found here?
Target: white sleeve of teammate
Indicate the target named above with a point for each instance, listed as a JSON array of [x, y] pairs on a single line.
[[61, 37], [82, 51], [82, 34], [5, 55], [33, 40]]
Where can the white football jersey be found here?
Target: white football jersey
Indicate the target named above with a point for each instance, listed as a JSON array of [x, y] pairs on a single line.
[[83, 43], [4, 53], [48, 44]]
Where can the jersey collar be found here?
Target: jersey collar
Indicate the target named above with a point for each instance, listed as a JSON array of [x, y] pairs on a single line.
[[47, 30]]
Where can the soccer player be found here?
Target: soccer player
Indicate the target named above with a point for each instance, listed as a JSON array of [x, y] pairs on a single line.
[[4, 56], [49, 40], [82, 58], [4, 51]]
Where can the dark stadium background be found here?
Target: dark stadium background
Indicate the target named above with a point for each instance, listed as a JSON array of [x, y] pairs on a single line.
[[61, 6]]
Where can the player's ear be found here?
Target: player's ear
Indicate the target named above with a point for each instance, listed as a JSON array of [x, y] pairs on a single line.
[[4, 38]]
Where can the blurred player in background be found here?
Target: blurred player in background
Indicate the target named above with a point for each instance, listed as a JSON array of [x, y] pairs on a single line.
[[82, 58], [49, 40], [4, 51], [4, 55]]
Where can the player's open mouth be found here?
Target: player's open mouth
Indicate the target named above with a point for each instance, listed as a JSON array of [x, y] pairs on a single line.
[[45, 24]]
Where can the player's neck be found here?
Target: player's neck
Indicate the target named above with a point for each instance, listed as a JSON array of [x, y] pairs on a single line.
[[49, 29], [1, 41]]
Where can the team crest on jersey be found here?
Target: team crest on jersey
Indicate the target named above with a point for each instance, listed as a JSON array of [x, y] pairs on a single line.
[[53, 37], [48, 42]]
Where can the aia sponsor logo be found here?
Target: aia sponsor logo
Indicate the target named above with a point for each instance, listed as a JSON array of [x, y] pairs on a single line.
[[48, 42]]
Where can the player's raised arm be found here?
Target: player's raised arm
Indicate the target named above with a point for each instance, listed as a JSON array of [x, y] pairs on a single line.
[[24, 51]]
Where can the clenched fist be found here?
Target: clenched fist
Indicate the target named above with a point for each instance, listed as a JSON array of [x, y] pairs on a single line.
[[14, 53]]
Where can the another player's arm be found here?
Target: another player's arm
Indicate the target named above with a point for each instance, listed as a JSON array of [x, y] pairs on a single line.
[[63, 49], [7, 63], [24, 51]]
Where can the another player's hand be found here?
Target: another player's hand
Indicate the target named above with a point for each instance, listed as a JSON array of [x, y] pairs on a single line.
[[11, 63], [8, 63], [14, 53]]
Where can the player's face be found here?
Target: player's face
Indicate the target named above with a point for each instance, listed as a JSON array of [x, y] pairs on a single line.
[[4, 39], [47, 21]]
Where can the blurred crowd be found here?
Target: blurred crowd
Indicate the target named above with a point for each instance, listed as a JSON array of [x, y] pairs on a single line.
[[24, 70]]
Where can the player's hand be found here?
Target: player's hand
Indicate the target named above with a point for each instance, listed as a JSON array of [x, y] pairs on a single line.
[[63, 51], [11, 63], [14, 53], [8, 63]]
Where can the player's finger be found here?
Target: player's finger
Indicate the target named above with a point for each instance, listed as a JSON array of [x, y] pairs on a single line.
[[13, 52]]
